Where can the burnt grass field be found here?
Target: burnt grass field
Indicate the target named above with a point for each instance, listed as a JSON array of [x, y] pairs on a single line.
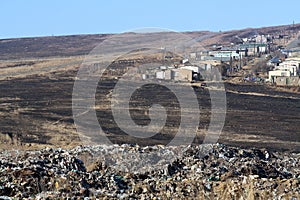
[[36, 109], [36, 98]]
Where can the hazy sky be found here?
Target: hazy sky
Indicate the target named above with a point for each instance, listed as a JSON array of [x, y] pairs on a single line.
[[25, 18]]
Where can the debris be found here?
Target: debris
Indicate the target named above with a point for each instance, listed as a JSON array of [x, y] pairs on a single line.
[[204, 170]]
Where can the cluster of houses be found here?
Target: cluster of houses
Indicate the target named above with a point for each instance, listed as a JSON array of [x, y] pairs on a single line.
[[227, 54], [285, 73], [256, 45], [183, 73], [207, 60]]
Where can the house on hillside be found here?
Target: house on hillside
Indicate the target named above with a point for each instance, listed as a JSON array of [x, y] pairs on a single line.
[[262, 39], [285, 73], [227, 54], [294, 63], [184, 75], [294, 69], [256, 38], [223, 55], [253, 49], [278, 73]]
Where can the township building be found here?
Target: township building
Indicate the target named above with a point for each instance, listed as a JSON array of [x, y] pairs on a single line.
[[286, 73]]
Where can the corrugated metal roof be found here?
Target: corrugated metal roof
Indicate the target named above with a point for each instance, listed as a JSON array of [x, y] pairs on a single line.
[[275, 60]]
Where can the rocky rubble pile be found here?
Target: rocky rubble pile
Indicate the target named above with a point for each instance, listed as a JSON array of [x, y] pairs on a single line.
[[205, 172]]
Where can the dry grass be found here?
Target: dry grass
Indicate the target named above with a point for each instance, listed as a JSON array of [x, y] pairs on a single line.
[[22, 68]]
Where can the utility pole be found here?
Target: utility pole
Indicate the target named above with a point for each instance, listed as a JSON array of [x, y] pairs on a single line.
[[294, 31], [164, 56], [230, 64]]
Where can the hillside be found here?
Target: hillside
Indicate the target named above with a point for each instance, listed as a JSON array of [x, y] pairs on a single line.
[[74, 45], [52, 46]]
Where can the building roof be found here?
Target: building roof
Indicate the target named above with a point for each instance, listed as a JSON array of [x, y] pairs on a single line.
[[252, 45], [275, 60], [224, 59]]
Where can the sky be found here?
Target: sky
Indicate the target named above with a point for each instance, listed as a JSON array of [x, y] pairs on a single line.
[[31, 18]]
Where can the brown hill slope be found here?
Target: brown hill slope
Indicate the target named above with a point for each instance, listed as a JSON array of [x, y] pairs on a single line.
[[53, 46]]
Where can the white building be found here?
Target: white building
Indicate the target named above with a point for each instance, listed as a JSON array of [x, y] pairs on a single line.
[[291, 68], [194, 69], [274, 74], [169, 74], [290, 65], [160, 75]]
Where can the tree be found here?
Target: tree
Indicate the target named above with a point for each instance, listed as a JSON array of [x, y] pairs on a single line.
[[261, 66]]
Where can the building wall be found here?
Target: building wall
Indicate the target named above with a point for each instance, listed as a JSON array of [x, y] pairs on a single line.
[[291, 63], [294, 81], [281, 80], [192, 68], [169, 75], [277, 73], [262, 49], [292, 69], [261, 39], [225, 54], [287, 81], [160, 75], [183, 75], [254, 48]]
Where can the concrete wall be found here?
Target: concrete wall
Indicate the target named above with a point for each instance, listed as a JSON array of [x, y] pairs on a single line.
[[291, 63], [160, 75], [292, 69], [192, 68], [277, 73], [183, 75], [255, 50], [281, 81], [287, 81], [294, 81], [169, 74]]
